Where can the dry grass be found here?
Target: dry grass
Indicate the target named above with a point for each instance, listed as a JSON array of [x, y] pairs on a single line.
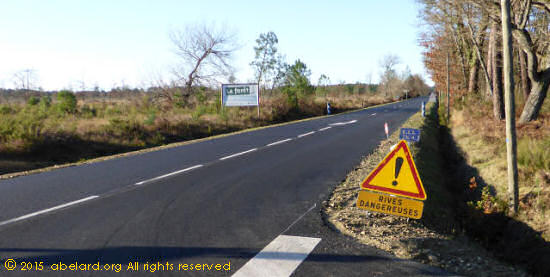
[[33, 136], [482, 139]]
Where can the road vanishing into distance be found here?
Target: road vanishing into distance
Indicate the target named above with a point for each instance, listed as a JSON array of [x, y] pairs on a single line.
[[246, 205]]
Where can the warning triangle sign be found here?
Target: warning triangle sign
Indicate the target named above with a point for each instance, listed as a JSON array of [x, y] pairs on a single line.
[[396, 174]]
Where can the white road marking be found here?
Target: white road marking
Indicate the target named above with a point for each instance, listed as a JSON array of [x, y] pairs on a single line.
[[343, 123], [324, 129], [47, 210], [279, 258], [169, 174], [306, 134], [373, 114], [238, 154], [298, 219], [279, 142]]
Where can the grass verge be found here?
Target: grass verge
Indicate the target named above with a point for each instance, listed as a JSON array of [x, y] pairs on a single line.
[[476, 157]]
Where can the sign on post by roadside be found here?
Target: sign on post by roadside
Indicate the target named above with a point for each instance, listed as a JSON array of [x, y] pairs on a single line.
[[241, 95], [409, 134], [395, 179], [389, 204]]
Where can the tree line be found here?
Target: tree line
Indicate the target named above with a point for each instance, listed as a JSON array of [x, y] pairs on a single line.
[[469, 33]]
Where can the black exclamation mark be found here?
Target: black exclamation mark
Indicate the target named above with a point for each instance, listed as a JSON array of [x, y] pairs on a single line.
[[398, 164]]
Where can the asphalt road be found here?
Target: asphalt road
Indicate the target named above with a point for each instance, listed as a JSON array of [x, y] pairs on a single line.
[[219, 201]]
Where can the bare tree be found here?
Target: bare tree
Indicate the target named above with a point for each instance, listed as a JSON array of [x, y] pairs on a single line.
[[205, 52], [389, 80], [25, 79]]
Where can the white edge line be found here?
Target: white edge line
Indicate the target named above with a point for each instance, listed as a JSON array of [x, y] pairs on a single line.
[[324, 129], [280, 258], [299, 218], [169, 174], [279, 142], [47, 210], [238, 154], [306, 134]]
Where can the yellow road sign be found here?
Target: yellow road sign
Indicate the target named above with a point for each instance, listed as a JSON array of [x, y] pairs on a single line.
[[396, 174], [388, 204]]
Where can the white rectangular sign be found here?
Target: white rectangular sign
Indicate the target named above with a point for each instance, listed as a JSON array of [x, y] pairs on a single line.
[[240, 95]]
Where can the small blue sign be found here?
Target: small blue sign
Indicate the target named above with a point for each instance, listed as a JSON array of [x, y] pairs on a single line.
[[409, 134]]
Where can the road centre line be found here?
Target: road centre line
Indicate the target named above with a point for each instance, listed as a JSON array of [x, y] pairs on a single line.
[[373, 114], [279, 142], [306, 134], [344, 123], [47, 210], [238, 154], [279, 258], [324, 129], [169, 174]]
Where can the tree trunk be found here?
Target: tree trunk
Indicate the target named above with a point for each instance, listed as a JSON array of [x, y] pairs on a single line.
[[525, 83], [490, 48], [511, 147], [472, 82], [540, 80], [534, 101], [498, 100], [478, 48], [460, 53], [448, 90]]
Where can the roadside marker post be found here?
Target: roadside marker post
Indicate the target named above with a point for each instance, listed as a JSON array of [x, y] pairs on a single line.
[[389, 186], [386, 130]]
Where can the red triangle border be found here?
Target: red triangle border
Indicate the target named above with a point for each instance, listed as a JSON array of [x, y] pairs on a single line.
[[420, 195]]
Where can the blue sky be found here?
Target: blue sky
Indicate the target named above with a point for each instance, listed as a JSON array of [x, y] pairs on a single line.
[[110, 43]]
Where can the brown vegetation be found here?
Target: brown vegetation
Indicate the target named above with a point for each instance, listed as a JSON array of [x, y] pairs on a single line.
[[40, 129]]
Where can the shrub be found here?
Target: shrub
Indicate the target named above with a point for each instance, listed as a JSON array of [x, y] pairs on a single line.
[[198, 112], [33, 101], [66, 102], [88, 112], [45, 102], [5, 109], [150, 120]]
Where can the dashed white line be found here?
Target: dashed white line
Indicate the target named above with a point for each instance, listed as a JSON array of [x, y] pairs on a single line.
[[47, 210], [279, 142], [169, 174], [306, 134], [238, 154], [324, 129], [344, 123], [373, 114], [279, 258]]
